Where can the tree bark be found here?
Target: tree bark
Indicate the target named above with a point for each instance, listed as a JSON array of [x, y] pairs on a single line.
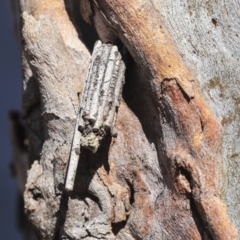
[[168, 174]]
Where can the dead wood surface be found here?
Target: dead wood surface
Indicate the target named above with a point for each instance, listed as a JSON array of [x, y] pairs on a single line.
[[160, 178]]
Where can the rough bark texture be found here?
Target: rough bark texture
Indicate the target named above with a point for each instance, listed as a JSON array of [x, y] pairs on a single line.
[[163, 176]]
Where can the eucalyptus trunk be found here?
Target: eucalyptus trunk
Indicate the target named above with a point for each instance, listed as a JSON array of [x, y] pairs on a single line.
[[172, 172]]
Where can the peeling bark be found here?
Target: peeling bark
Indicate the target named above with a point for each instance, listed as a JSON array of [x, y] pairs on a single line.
[[161, 177]]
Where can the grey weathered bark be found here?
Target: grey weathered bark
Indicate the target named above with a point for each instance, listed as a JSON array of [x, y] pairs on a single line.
[[172, 171]]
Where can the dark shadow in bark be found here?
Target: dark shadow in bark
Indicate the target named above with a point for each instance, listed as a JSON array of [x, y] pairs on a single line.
[[86, 32], [116, 227], [140, 98], [88, 165], [199, 221], [61, 215], [130, 185], [201, 225]]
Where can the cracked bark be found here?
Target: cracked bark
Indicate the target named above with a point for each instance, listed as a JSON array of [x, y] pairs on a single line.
[[162, 176]]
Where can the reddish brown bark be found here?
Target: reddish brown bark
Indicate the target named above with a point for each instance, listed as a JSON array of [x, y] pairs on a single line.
[[159, 179]]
